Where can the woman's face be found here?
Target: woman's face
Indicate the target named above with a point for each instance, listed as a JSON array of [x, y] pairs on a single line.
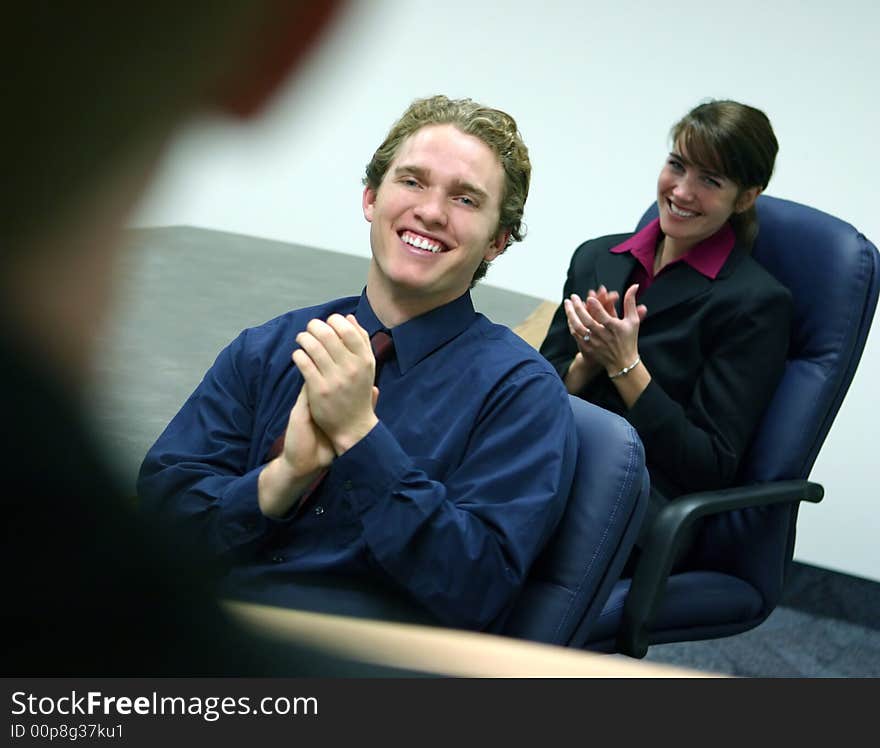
[[694, 203]]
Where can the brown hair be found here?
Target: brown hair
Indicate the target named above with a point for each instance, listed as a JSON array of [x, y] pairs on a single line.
[[495, 128], [736, 141]]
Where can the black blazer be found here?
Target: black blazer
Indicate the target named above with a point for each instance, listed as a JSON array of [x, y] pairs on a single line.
[[715, 349]]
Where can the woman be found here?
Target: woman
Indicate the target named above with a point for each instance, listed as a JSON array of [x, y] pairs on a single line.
[[698, 347]]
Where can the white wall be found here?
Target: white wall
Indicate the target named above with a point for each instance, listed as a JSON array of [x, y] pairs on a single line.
[[595, 87]]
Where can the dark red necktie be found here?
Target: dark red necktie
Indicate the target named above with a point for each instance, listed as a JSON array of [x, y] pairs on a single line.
[[383, 346]]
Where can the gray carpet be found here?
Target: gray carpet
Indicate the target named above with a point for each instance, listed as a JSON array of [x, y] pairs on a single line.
[[828, 626]]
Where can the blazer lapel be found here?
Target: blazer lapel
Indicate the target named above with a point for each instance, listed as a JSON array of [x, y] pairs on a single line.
[[677, 284], [612, 271], [672, 287], [681, 282]]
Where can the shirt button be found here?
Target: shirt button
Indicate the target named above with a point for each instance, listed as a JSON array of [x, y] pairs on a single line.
[[277, 559], [319, 510], [347, 485]]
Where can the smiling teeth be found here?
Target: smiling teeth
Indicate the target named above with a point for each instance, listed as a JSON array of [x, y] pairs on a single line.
[[679, 212], [421, 243]]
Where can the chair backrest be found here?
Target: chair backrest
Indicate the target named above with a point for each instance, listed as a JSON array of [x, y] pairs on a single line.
[[574, 575], [833, 273]]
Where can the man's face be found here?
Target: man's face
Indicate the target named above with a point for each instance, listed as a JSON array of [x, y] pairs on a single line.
[[433, 219]]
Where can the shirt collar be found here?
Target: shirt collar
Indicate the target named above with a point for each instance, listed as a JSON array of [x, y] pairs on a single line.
[[415, 339], [707, 257]]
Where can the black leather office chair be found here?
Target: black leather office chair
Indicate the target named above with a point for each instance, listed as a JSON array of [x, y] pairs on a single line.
[[571, 580], [745, 547]]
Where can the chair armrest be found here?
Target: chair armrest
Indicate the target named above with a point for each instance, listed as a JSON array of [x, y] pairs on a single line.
[[669, 531]]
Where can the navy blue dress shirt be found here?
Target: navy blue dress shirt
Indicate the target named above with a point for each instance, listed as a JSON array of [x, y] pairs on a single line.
[[447, 500]]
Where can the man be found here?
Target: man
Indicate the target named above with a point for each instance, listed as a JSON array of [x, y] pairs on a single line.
[[97, 92], [432, 484]]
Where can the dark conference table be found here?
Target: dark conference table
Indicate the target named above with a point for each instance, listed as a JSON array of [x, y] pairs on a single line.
[[185, 293]]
